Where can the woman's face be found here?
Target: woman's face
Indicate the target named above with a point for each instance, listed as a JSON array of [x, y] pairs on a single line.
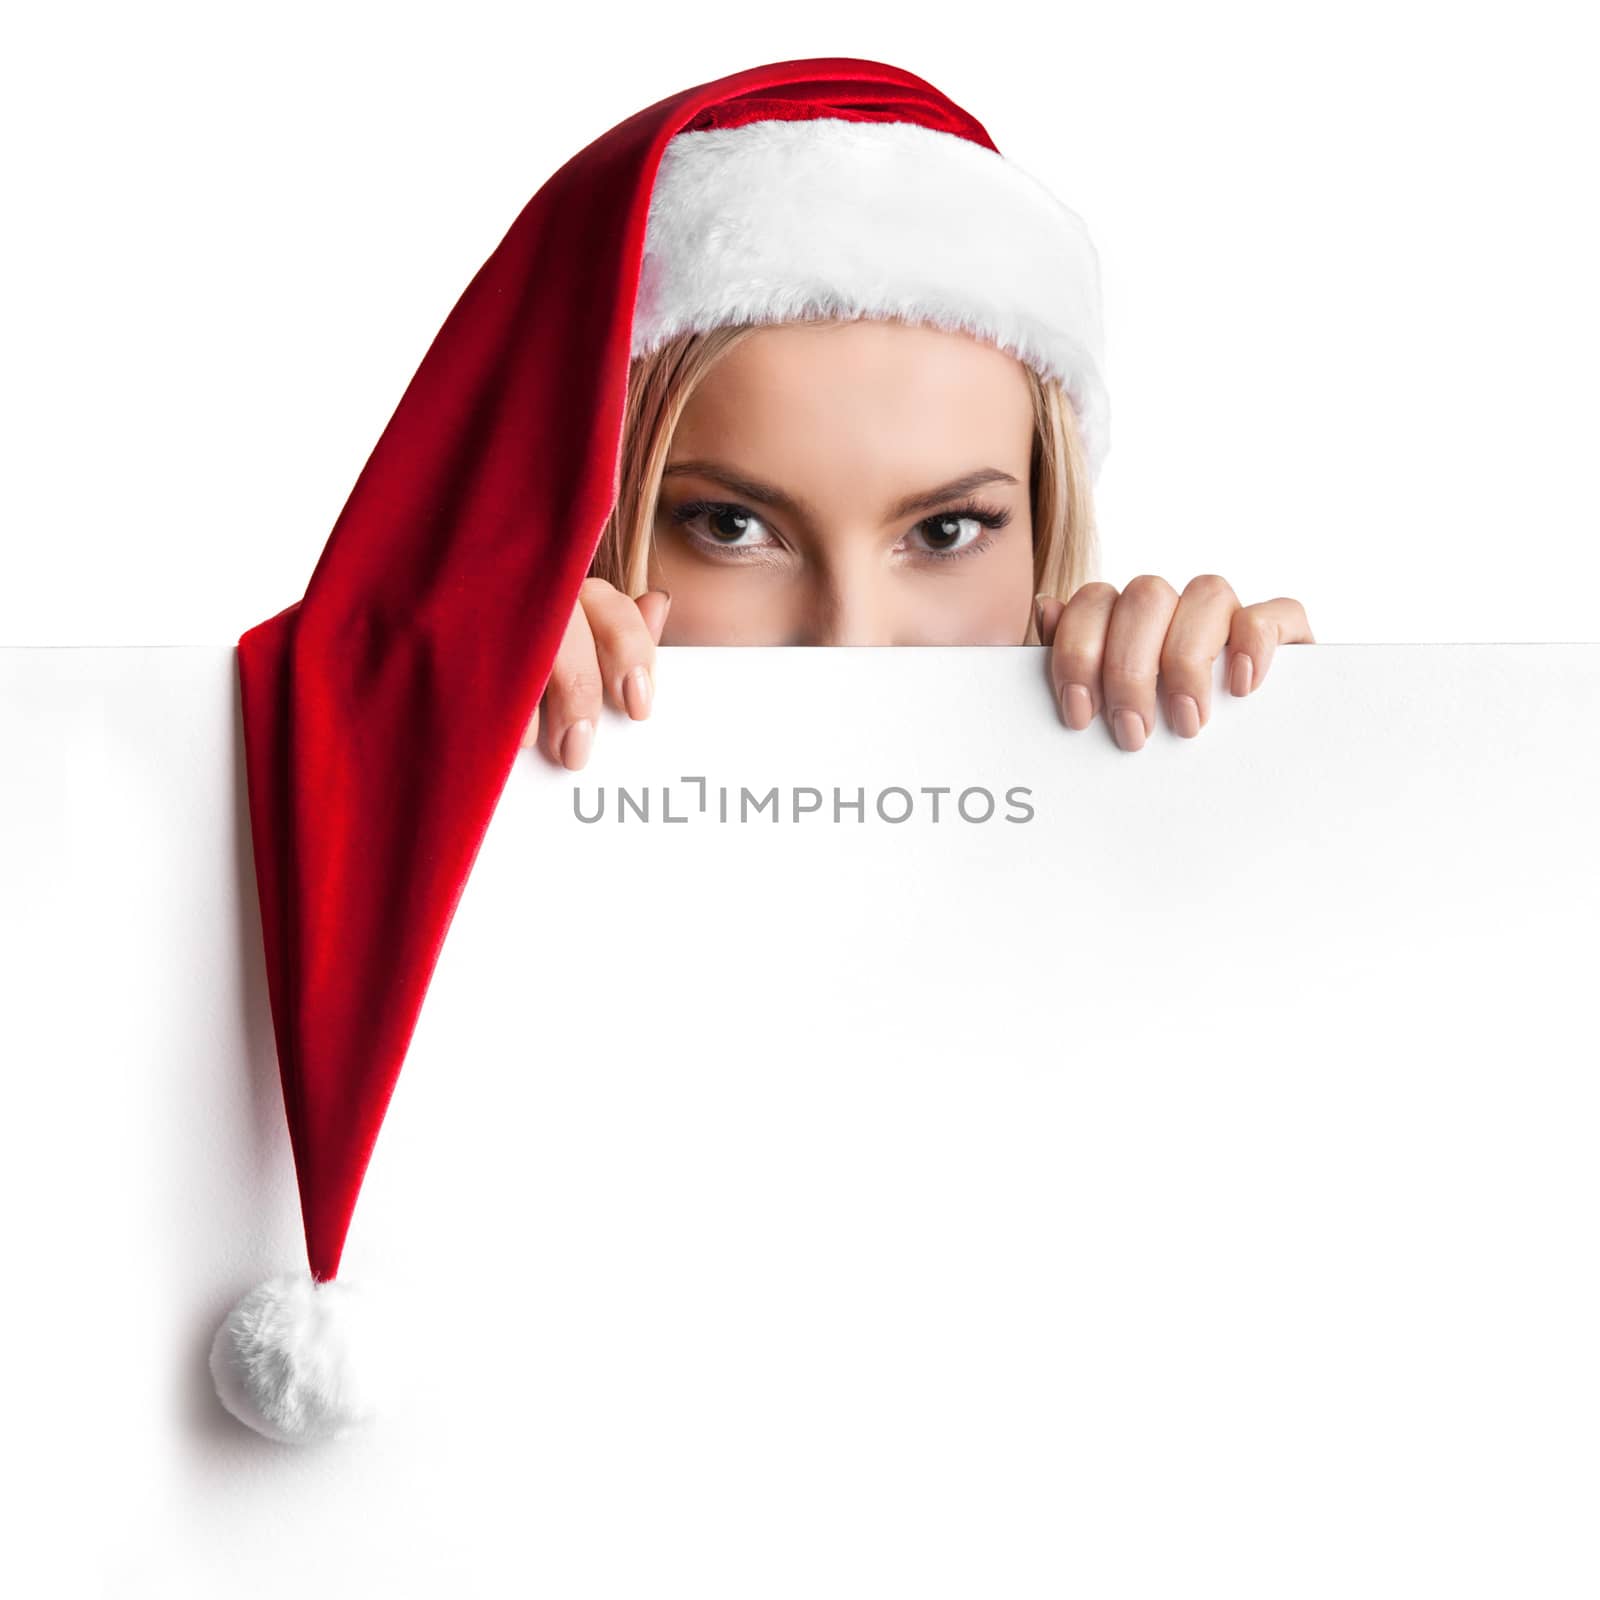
[[850, 483]]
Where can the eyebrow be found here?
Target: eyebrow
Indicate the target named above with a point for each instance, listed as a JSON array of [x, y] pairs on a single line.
[[769, 495]]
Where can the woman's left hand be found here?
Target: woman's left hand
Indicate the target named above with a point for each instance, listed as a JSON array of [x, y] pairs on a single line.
[[1107, 650]]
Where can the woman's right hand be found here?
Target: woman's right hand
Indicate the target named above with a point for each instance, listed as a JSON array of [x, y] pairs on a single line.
[[607, 656]]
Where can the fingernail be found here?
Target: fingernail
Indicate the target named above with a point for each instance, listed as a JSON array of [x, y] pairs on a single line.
[[1240, 674], [636, 692], [1077, 706], [575, 745], [1130, 729], [1185, 715]]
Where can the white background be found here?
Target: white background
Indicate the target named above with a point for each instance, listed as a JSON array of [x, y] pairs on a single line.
[[1349, 254], [1190, 1192], [1294, 1071]]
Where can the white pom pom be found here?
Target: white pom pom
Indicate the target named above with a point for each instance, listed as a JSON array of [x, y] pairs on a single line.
[[290, 1360]]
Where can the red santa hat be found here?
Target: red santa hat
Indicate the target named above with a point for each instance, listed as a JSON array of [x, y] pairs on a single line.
[[383, 712]]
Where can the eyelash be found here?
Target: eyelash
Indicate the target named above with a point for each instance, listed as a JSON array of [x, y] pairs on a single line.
[[991, 517]]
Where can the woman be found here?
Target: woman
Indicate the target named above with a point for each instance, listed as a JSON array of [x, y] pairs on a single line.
[[796, 353], [877, 482]]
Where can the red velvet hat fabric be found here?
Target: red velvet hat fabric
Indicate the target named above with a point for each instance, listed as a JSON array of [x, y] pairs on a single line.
[[383, 712]]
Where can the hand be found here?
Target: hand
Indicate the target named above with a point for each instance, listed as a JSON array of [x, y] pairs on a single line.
[[608, 637], [1106, 649]]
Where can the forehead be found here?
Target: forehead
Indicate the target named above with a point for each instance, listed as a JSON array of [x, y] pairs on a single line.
[[873, 398]]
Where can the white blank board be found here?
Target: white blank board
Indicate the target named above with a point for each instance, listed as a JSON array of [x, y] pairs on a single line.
[[1189, 1189]]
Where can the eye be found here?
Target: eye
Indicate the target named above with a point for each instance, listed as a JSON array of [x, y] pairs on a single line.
[[961, 531], [719, 526]]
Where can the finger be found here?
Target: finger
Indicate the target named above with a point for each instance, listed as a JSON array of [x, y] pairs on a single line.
[[653, 605], [1047, 611], [1077, 643], [573, 697], [1134, 637], [625, 646], [1255, 635], [1195, 637]]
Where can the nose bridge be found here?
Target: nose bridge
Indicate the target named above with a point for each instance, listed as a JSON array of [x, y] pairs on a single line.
[[853, 597]]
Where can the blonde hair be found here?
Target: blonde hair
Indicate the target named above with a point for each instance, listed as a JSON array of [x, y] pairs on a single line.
[[659, 386]]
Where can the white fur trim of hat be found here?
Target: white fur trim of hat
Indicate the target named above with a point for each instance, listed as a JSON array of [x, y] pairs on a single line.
[[778, 221]]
